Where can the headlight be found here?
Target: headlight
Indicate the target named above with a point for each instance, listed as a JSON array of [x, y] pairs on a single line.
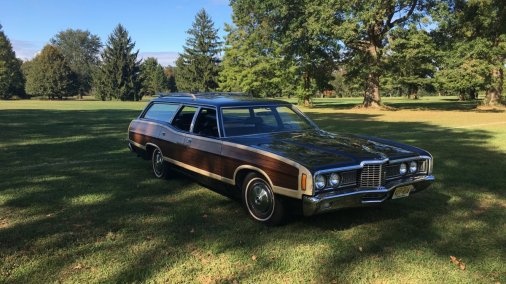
[[413, 166], [403, 169], [319, 181], [334, 179]]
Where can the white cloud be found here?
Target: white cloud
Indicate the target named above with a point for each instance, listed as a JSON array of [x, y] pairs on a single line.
[[25, 49], [164, 57]]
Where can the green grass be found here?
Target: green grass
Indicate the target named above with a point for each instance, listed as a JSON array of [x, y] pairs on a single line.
[[76, 206]]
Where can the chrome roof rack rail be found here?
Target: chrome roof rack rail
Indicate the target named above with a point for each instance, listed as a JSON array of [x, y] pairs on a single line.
[[224, 94], [193, 96]]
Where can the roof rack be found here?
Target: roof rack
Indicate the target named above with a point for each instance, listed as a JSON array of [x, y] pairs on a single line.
[[224, 94], [193, 96]]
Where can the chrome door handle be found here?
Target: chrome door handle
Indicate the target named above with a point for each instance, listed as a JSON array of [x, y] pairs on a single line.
[[188, 140], [163, 133]]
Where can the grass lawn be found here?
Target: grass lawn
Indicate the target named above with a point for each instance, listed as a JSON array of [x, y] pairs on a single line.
[[76, 206]]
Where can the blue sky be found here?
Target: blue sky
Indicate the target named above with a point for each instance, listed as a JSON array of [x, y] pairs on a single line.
[[158, 27]]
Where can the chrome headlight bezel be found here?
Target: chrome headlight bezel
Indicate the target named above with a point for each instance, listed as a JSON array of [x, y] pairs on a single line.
[[413, 167], [320, 181], [403, 169], [334, 180]]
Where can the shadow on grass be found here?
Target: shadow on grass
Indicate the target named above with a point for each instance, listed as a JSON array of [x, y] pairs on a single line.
[[448, 104], [79, 207]]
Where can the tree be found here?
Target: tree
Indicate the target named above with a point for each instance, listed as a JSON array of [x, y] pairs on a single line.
[[291, 36], [364, 27], [118, 75], [412, 59], [198, 65], [248, 68], [49, 75], [170, 75], [153, 77], [11, 78], [481, 26], [80, 49]]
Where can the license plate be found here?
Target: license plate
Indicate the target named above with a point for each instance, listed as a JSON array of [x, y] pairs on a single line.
[[402, 191]]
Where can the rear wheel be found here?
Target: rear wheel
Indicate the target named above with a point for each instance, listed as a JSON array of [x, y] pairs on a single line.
[[160, 167], [261, 202]]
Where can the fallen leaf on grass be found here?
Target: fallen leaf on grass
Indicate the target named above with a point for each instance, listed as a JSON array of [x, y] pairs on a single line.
[[254, 257], [204, 216], [192, 231], [458, 262], [360, 249], [78, 266]]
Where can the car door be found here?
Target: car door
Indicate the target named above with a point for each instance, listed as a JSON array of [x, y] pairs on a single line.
[[175, 134], [203, 144]]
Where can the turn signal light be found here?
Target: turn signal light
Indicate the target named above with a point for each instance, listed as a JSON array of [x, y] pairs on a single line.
[[303, 181]]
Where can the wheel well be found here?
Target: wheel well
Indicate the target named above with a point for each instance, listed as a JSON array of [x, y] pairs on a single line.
[[241, 175], [149, 151]]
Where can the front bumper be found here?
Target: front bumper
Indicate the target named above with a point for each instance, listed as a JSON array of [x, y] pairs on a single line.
[[329, 201]]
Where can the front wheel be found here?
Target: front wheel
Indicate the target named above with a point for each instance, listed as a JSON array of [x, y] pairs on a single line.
[[160, 168], [260, 201]]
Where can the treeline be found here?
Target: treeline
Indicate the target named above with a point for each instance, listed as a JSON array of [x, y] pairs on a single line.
[[75, 63], [296, 48]]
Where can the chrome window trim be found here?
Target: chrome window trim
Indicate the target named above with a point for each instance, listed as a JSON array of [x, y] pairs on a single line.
[[217, 121], [143, 113]]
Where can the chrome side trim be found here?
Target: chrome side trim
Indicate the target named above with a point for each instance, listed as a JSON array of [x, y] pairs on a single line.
[[137, 144], [199, 171]]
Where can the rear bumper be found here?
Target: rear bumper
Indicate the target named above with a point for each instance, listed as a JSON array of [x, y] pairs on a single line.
[[329, 201]]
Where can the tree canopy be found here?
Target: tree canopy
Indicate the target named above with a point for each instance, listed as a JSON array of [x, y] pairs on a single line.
[[11, 78], [49, 75], [153, 77], [198, 65], [80, 49], [118, 74]]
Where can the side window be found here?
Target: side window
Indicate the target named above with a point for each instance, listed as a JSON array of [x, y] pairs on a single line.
[[183, 119], [161, 112], [206, 124]]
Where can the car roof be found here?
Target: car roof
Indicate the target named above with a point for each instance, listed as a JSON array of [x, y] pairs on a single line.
[[217, 99]]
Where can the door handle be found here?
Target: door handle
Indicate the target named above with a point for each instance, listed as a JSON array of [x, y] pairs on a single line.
[[163, 133], [188, 140]]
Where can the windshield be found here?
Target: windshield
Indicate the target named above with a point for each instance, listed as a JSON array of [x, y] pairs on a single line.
[[256, 120]]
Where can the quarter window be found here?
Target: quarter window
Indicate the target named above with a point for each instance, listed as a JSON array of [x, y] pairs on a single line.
[[161, 112], [183, 119]]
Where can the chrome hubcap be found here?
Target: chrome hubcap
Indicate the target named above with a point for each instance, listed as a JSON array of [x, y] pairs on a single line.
[[260, 198], [158, 163]]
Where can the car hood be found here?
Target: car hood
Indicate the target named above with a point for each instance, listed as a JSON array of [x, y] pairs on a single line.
[[318, 149]]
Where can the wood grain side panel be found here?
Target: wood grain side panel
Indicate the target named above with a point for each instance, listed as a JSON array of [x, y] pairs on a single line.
[[280, 173], [143, 133]]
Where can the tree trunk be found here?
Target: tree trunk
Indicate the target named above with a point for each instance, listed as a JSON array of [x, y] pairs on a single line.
[[372, 95], [493, 97], [413, 93]]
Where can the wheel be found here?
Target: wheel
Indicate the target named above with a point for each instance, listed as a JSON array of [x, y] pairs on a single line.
[[160, 168], [261, 202]]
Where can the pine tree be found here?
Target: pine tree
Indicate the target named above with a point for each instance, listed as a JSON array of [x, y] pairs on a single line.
[[170, 75], [153, 77], [118, 75], [80, 49], [49, 75], [11, 78], [198, 65]]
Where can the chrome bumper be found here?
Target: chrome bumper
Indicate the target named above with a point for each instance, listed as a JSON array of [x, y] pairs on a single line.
[[328, 201]]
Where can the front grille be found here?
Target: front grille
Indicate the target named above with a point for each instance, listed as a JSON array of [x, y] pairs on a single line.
[[371, 175], [392, 171], [349, 178]]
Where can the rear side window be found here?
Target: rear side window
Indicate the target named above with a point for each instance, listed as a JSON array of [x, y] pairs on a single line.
[[206, 124], [161, 112], [183, 119]]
